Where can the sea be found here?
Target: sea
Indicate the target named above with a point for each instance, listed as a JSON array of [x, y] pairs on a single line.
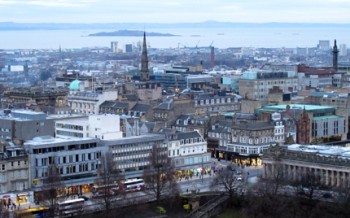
[[260, 37]]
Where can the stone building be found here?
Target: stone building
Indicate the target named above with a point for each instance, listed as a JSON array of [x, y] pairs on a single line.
[[329, 166], [14, 172], [205, 104]]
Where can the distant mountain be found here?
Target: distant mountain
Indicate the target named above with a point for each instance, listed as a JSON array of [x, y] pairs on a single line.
[[130, 33], [120, 26]]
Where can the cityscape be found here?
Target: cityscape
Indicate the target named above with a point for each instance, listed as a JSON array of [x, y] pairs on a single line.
[[186, 117]]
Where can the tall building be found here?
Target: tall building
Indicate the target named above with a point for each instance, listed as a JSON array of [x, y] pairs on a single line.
[[323, 45], [343, 50], [128, 48], [212, 57], [144, 61], [114, 47]]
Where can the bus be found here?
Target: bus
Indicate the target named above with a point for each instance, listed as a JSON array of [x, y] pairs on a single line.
[[70, 207], [131, 185], [36, 212], [99, 190]]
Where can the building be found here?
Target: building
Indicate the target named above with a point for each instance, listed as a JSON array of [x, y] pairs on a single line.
[[76, 158], [48, 101], [190, 123], [327, 166], [206, 104], [104, 127], [318, 78], [114, 107], [89, 102], [114, 47], [132, 154], [14, 173], [21, 125], [324, 45], [128, 48], [343, 51], [256, 85], [242, 141], [314, 123], [188, 151]]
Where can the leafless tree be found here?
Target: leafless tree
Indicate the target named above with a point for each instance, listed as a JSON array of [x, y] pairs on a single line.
[[309, 181], [107, 175], [52, 188], [159, 177], [229, 180]]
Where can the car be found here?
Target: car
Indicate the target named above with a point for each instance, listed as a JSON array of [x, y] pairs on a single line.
[[84, 197], [239, 178]]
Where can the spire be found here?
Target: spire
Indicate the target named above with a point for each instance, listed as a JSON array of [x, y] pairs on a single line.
[[335, 55], [144, 61]]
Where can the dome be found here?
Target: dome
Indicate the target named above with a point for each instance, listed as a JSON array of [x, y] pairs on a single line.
[[74, 85]]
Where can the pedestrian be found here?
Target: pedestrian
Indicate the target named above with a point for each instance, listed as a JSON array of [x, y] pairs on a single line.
[[186, 190]]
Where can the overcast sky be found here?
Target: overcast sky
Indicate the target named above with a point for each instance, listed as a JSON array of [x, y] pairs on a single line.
[[173, 11]]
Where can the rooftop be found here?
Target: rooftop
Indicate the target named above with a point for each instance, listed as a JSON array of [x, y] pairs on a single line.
[[322, 150], [308, 107]]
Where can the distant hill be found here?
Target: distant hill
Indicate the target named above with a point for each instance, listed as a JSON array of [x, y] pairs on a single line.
[[130, 33], [120, 26]]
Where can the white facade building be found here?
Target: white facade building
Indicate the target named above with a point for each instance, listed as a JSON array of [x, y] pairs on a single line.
[[188, 150], [279, 133], [104, 127]]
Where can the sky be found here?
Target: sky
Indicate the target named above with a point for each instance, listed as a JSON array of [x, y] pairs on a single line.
[[174, 11]]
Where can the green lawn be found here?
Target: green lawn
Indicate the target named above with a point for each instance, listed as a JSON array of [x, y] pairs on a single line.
[[229, 213]]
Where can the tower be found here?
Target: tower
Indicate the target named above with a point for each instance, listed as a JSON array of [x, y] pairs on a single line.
[[335, 55], [144, 61], [212, 57]]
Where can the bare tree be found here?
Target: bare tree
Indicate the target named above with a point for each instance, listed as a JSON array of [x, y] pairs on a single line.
[[309, 181], [52, 188], [107, 176], [229, 180], [159, 177]]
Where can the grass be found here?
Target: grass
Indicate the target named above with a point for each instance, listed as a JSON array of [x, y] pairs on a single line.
[[229, 213]]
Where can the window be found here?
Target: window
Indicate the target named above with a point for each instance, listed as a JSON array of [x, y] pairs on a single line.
[[3, 167]]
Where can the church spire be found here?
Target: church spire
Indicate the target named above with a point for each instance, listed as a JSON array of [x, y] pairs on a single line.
[[144, 61], [335, 55]]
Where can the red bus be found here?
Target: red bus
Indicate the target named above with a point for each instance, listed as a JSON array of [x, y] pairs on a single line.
[[131, 185], [100, 190]]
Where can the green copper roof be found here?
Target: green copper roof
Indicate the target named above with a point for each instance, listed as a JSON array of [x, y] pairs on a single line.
[[75, 85]]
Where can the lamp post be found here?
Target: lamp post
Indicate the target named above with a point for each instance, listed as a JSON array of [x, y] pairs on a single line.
[[202, 170]]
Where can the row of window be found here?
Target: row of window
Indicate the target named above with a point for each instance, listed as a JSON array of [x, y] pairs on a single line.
[[13, 163], [18, 174], [215, 101], [67, 159], [70, 169], [69, 126], [64, 148]]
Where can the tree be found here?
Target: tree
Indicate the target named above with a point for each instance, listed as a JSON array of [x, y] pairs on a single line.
[[310, 181], [107, 174], [229, 179], [160, 177], [52, 188]]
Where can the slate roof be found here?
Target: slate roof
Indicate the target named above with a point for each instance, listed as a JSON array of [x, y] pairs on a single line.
[[115, 104], [141, 107]]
